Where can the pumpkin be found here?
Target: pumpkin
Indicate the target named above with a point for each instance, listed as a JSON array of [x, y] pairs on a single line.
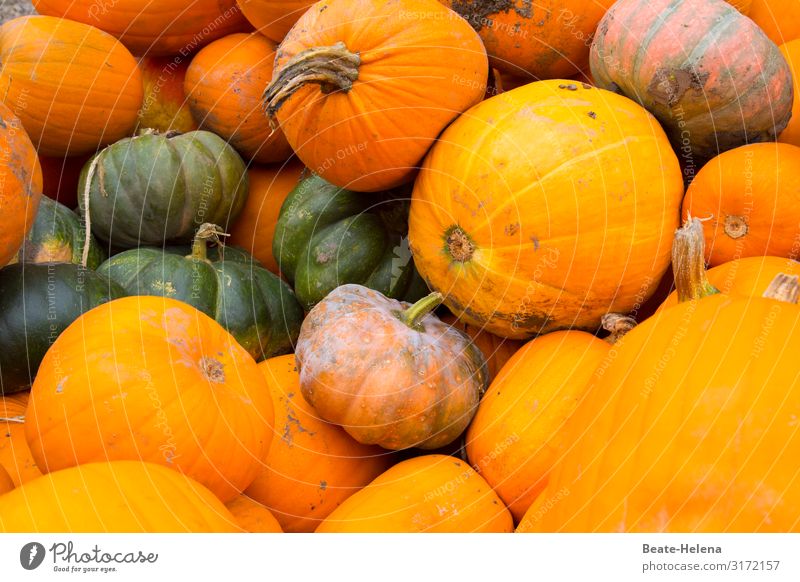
[[155, 187], [116, 497], [227, 284], [162, 28], [164, 107], [312, 466], [779, 19], [548, 39], [273, 18], [327, 236], [362, 89], [153, 379], [411, 380], [61, 176], [524, 214], [752, 196], [224, 85], [517, 434], [15, 454], [254, 230], [6, 484], [12, 406], [253, 517], [431, 494], [709, 74], [73, 86], [496, 350], [791, 52], [742, 6]]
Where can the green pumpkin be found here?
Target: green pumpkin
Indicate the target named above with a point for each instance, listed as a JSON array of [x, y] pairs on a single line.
[[37, 303], [226, 283], [156, 188], [327, 236]]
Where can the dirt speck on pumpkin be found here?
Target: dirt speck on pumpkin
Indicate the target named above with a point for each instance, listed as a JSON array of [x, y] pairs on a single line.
[[477, 12], [512, 229], [569, 87], [592, 114], [667, 87]]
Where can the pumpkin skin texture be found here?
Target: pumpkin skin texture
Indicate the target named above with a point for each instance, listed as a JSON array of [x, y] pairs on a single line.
[[253, 517], [430, 494], [115, 497], [154, 379], [520, 241], [392, 84], [15, 455], [791, 52], [779, 19], [312, 466], [273, 18], [517, 433], [156, 28], [73, 86], [224, 85], [735, 89], [154, 188], [752, 195], [496, 350], [164, 107], [254, 230], [696, 445]]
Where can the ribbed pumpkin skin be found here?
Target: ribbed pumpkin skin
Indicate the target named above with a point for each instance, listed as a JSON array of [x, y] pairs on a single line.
[[156, 27], [155, 188], [752, 194], [779, 19], [690, 429], [273, 18], [312, 466], [164, 107], [565, 199], [496, 350], [430, 494], [153, 379], [736, 87], [224, 86], [116, 497], [791, 52], [73, 86], [253, 517], [417, 74]]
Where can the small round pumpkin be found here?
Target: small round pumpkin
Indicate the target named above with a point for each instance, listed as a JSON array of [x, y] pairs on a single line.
[[791, 52], [73, 86], [153, 379], [411, 380], [224, 85], [273, 18], [431, 494], [253, 517], [164, 107], [779, 19], [496, 350]]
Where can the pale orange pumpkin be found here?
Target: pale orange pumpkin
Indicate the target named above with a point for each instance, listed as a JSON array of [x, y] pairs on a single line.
[[273, 18], [791, 51], [253, 517]]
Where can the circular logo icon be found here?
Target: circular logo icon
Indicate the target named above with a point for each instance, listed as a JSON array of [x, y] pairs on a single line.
[[31, 555]]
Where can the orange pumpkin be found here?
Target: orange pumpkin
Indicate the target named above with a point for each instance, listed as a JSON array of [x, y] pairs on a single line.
[[496, 350], [154, 28], [779, 19], [14, 405], [224, 85], [742, 6], [791, 51], [74, 87], [6, 483], [61, 177], [255, 227], [362, 88], [164, 107], [116, 497], [517, 434], [154, 379], [432, 494], [273, 18], [546, 207], [752, 196], [15, 455], [253, 517]]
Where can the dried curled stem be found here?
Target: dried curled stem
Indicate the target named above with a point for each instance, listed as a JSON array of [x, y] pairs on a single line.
[[688, 262], [207, 232], [784, 288], [617, 325]]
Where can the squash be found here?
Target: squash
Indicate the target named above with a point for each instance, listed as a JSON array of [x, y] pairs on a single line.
[[709, 74], [153, 379], [752, 197], [431, 494], [327, 236], [517, 434], [226, 284], [312, 466], [362, 89], [15, 454], [61, 176], [37, 303], [164, 107], [273, 18], [791, 52], [224, 85], [155, 28], [6, 484], [410, 380], [546, 207], [116, 497], [253, 517], [254, 230], [73, 86], [496, 350], [779, 19], [155, 187]]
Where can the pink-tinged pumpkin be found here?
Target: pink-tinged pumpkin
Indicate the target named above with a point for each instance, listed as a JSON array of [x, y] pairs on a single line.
[[273, 18], [791, 52], [164, 107]]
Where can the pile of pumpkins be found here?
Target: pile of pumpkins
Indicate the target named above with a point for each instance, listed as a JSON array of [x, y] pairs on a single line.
[[408, 266]]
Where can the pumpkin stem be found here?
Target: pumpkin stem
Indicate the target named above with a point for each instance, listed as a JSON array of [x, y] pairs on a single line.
[[617, 325], [459, 245], [334, 68], [412, 316], [688, 262], [87, 213], [784, 288], [207, 232]]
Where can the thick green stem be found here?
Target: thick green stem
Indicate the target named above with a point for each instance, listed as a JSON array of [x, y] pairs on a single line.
[[688, 262], [412, 316], [207, 232]]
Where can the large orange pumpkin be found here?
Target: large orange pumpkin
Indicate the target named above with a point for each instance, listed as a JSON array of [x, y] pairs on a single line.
[[224, 86], [116, 497], [791, 51], [164, 107], [432, 494], [312, 466], [253, 517], [363, 88], [154, 379], [74, 87], [779, 19], [273, 18], [495, 349], [752, 196], [546, 207]]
